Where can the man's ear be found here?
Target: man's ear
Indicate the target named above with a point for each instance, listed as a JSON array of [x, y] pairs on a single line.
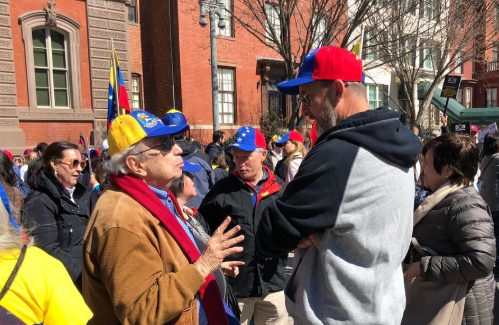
[[135, 166], [264, 155]]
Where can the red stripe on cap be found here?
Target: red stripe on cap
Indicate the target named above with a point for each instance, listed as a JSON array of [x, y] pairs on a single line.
[[260, 139], [296, 136], [335, 63]]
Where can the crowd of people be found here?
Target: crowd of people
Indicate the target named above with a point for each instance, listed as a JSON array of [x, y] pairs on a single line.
[[386, 227]]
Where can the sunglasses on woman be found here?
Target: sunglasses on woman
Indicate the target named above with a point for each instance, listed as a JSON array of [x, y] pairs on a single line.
[[74, 163], [168, 144]]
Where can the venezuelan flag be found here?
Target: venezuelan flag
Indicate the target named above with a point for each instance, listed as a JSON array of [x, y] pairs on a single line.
[[82, 141], [120, 92]]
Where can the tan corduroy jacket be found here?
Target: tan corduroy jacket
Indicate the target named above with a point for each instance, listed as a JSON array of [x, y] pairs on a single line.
[[134, 272]]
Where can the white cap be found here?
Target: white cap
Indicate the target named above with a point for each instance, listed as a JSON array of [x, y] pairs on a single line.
[[105, 146]]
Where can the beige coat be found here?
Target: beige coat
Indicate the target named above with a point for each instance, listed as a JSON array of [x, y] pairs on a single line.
[[134, 272]]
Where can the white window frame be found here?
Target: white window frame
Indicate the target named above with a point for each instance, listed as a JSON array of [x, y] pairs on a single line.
[[320, 30], [136, 92], [272, 13], [491, 97], [457, 63], [228, 31], [469, 102], [226, 108], [381, 98], [35, 20]]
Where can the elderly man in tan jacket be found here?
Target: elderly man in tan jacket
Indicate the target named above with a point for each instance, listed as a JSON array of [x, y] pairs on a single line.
[[141, 264]]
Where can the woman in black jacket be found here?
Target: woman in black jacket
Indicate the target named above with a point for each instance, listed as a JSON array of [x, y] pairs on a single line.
[[60, 206], [455, 222]]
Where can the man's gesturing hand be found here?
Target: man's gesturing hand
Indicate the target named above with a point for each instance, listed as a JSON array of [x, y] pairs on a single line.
[[218, 248]]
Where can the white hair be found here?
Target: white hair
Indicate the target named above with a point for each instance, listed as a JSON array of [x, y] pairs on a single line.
[[10, 238], [117, 163]]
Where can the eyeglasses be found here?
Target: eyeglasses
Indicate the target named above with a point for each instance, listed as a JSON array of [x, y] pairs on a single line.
[[168, 144], [74, 163], [305, 99]]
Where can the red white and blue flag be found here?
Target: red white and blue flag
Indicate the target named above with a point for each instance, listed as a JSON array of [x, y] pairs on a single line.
[[120, 93]]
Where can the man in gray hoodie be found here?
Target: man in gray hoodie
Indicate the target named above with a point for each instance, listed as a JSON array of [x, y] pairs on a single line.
[[349, 209]]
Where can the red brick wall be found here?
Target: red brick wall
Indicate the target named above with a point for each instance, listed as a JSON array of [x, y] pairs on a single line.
[[49, 132], [136, 49], [240, 52], [71, 8]]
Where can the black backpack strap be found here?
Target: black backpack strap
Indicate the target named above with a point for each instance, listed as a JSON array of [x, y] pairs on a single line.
[[14, 272]]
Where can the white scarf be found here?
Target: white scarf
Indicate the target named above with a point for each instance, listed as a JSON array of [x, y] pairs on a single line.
[[432, 200]]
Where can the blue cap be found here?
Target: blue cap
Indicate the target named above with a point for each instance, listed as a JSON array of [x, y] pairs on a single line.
[[6, 204], [127, 130], [248, 139], [190, 167], [174, 118]]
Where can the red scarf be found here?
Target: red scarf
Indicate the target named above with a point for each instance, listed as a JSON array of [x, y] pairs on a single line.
[[209, 293]]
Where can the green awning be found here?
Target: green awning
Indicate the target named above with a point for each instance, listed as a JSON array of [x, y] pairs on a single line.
[[454, 109], [480, 116]]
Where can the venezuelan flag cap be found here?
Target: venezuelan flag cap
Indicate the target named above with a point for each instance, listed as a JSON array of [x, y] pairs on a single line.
[[325, 63], [249, 139], [174, 117], [127, 130]]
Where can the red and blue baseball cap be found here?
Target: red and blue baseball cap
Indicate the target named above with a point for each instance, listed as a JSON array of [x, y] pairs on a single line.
[[249, 139], [190, 167], [290, 135], [174, 118], [127, 130], [325, 63]]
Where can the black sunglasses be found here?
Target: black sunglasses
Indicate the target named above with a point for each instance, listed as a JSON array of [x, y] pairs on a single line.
[[168, 144]]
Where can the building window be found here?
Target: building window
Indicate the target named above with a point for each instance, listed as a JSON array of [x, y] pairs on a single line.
[[426, 59], [496, 15], [132, 12], [272, 22], [52, 61], [51, 68], [430, 9], [136, 93], [408, 50], [459, 96], [469, 102], [320, 30], [371, 47], [228, 31], [491, 98], [458, 62], [377, 96], [226, 95]]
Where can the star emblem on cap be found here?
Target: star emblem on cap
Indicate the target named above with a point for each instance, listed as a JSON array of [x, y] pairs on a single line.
[[243, 135], [239, 139]]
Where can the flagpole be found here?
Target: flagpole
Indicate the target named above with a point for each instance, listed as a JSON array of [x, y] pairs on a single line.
[[116, 79], [361, 40], [89, 159]]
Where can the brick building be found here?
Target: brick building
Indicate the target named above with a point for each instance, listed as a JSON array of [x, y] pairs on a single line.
[[177, 68], [54, 68]]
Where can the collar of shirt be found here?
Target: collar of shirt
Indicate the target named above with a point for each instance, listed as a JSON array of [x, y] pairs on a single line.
[[164, 198]]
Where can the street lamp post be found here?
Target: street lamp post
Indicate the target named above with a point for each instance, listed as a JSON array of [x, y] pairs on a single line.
[[215, 9]]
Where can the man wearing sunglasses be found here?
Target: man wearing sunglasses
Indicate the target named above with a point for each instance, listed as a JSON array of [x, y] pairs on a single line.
[[141, 263], [349, 208]]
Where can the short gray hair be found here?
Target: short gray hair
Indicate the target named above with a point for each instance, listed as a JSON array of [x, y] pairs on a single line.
[[357, 88], [117, 164]]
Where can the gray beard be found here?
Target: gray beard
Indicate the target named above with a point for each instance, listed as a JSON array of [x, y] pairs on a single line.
[[327, 118]]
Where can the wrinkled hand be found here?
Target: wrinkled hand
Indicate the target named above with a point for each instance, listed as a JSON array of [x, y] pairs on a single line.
[[443, 119], [307, 242], [413, 271], [218, 248], [231, 268]]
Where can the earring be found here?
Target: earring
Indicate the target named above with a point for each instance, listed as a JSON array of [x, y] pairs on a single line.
[[55, 172]]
